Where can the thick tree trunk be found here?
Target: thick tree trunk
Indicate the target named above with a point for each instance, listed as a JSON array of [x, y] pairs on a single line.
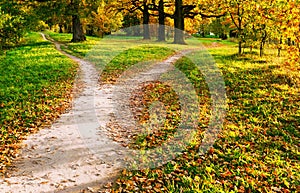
[[78, 35], [146, 19], [61, 28], [179, 23], [161, 19]]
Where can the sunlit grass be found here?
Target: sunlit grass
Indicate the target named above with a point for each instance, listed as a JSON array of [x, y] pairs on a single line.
[[257, 151], [258, 147], [35, 85]]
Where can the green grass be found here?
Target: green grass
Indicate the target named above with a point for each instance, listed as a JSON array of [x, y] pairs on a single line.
[[215, 40], [130, 57], [35, 85], [79, 49], [258, 149], [113, 45], [114, 54]]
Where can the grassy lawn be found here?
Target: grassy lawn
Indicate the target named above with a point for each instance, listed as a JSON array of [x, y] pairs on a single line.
[[257, 150], [78, 49], [207, 41], [114, 54], [35, 85]]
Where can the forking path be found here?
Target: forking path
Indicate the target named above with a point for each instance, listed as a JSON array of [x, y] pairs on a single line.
[[59, 158]]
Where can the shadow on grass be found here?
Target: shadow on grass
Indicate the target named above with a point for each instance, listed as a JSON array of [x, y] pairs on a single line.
[[246, 57], [36, 44], [23, 46]]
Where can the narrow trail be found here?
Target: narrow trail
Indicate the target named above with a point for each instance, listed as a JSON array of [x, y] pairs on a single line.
[[77, 153]]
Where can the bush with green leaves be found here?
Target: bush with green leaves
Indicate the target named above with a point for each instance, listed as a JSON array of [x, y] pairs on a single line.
[[11, 28]]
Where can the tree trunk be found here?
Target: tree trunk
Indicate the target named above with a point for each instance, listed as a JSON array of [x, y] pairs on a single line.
[[279, 47], [262, 44], [61, 28], [161, 19], [240, 47], [261, 49], [179, 23], [78, 35], [240, 30], [146, 19]]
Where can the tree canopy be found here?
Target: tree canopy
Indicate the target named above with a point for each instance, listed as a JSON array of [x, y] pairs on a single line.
[[253, 23]]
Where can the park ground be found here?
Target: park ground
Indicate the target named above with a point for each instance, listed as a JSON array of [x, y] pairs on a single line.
[[257, 150]]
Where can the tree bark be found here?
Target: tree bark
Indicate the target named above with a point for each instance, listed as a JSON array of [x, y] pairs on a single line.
[[262, 44], [179, 23], [279, 47], [161, 19], [240, 47], [146, 19], [240, 31], [61, 28], [261, 49], [78, 35], [239, 26]]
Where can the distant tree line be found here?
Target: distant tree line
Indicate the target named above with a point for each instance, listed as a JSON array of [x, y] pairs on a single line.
[[253, 23]]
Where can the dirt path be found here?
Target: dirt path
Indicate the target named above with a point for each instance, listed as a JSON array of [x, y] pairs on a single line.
[[66, 157], [58, 159]]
